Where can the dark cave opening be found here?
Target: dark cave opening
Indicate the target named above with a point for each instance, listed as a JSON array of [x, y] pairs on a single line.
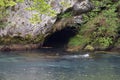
[[60, 39]]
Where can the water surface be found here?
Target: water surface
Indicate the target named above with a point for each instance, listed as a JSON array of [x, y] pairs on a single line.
[[37, 65]]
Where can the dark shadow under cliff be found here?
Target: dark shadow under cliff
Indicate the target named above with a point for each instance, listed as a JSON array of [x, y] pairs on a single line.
[[59, 39]]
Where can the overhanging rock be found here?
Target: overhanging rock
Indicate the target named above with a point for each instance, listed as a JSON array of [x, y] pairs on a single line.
[[18, 21]]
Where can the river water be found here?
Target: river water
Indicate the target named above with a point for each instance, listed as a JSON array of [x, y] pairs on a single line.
[[41, 65]]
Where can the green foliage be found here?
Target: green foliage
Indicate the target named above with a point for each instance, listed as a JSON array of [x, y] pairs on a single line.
[[100, 25], [28, 39], [65, 15], [19, 1], [64, 4], [35, 19], [102, 42], [78, 40], [42, 7], [3, 12], [7, 3]]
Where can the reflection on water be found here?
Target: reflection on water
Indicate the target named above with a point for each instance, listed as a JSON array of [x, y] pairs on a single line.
[[34, 65]]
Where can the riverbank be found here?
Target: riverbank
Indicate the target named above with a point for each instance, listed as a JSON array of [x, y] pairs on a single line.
[[19, 47], [54, 51]]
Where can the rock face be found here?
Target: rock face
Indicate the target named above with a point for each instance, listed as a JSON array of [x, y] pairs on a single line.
[[82, 6], [19, 25]]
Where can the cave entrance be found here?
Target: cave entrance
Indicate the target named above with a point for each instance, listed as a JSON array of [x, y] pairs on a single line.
[[60, 39]]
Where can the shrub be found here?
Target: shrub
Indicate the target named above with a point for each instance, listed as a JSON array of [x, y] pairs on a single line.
[[100, 25]]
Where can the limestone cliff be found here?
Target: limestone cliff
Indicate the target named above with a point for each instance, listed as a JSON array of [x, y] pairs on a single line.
[[19, 29]]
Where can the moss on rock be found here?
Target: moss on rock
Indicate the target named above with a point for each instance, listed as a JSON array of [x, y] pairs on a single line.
[[100, 28], [28, 39]]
